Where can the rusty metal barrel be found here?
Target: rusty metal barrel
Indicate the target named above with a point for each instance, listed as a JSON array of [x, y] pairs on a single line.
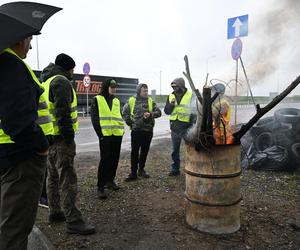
[[213, 189]]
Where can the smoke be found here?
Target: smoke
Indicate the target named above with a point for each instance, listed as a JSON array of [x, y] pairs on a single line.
[[275, 32]]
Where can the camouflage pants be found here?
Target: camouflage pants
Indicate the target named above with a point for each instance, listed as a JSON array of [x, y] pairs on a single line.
[[62, 180]]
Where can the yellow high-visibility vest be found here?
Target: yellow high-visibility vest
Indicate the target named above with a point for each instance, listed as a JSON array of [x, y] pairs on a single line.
[[182, 110], [111, 121], [73, 106], [132, 101], [44, 119]]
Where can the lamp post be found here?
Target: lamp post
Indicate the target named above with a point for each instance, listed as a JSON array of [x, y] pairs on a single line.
[[211, 57], [160, 82]]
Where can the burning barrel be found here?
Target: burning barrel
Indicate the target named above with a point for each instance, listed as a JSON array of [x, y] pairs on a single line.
[[213, 188]]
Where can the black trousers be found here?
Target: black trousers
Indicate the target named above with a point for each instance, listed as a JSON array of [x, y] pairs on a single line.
[[21, 187], [140, 144], [110, 147]]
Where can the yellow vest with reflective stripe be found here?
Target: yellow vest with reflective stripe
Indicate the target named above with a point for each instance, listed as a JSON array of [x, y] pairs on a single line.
[[111, 121], [132, 101], [51, 105], [44, 119], [182, 110]]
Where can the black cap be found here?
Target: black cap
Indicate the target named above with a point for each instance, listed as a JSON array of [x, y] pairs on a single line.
[[113, 83], [65, 61]]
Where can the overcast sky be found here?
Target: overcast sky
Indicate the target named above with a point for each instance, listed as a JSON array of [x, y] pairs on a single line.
[[141, 38]]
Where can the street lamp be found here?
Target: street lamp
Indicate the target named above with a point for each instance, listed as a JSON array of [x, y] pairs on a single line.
[[211, 57], [160, 82]]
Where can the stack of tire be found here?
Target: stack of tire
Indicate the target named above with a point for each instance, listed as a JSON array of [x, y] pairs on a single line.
[[283, 130]]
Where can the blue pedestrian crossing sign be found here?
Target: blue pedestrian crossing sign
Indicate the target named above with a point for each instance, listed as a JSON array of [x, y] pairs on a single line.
[[237, 27]]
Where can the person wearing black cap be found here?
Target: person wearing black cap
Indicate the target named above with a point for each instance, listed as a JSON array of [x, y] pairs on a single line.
[[109, 127], [178, 107], [62, 101]]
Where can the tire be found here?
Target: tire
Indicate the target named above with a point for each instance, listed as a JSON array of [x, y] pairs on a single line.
[[295, 156], [287, 115], [267, 124], [283, 136], [263, 141]]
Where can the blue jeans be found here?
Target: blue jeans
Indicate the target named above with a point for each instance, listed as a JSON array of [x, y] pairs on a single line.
[[176, 141]]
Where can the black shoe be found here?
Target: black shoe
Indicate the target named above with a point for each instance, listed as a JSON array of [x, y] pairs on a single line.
[[112, 186], [43, 202], [131, 177], [142, 173], [174, 173], [101, 193], [57, 217], [79, 227]]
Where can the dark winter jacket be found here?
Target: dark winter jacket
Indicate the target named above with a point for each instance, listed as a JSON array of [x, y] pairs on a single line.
[[178, 127], [95, 107], [61, 95], [137, 122], [19, 98]]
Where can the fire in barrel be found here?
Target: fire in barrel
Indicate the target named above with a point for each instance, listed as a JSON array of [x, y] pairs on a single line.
[[212, 165], [212, 168]]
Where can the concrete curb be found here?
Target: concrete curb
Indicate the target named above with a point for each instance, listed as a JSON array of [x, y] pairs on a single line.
[[38, 241]]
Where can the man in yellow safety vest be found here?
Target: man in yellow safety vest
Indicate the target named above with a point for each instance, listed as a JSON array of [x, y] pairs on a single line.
[[24, 125], [178, 107], [109, 127], [62, 179]]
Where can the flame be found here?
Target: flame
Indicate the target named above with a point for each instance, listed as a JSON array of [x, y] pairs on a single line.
[[221, 124]]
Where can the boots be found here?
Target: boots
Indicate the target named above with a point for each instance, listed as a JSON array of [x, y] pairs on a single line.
[[101, 193], [131, 177], [112, 186], [79, 227], [143, 173]]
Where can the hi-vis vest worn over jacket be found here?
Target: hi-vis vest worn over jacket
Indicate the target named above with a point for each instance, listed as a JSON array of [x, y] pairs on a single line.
[[132, 101], [44, 119], [73, 107], [111, 121], [182, 110]]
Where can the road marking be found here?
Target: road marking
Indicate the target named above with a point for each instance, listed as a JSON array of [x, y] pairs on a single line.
[[88, 143], [85, 128]]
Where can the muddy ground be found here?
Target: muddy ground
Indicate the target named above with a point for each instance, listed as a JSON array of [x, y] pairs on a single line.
[[149, 213]]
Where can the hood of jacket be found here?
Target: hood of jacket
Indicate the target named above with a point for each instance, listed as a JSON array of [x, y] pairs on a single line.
[[52, 70], [139, 88]]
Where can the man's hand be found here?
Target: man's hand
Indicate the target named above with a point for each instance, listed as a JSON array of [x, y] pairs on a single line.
[[173, 101], [146, 115]]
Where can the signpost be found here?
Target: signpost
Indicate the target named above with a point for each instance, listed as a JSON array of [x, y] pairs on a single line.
[[86, 82], [237, 27]]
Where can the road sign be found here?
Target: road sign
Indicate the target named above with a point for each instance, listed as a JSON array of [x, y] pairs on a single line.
[[86, 81], [236, 49], [237, 27], [86, 68]]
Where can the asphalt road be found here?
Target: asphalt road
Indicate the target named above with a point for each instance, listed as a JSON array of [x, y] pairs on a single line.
[[87, 141]]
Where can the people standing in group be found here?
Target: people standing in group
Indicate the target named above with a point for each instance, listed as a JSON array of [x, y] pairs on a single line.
[[178, 106], [62, 178], [109, 126], [139, 114], [24, 125]]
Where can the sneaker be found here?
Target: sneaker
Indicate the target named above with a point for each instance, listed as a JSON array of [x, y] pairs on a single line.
[[174, 173], [143, 173], [131, 177], [43, 202], [57, 217], [79, 227], [112, 186], [102, 194]]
